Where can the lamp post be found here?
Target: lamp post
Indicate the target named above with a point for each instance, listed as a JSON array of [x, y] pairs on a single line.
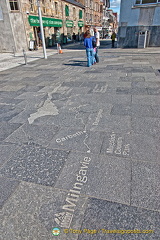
[[41, 29]]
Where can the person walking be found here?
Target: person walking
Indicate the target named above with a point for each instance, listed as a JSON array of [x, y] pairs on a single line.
[[113, 37], [96, 35], [89, 48]]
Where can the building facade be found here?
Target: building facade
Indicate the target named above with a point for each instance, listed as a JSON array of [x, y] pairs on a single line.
[[139, 17], [19, 22]]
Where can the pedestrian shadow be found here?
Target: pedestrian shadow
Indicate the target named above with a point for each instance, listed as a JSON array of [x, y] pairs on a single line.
[[76, 63]]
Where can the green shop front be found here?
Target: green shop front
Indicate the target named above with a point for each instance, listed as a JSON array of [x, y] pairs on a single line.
[[69, 25], [80, 25], [52, 30]]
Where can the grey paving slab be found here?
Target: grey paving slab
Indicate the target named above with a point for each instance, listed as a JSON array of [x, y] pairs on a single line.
[[11, 94], [136, 146], [101, 214], [145, 188], [77, 140], [37, 208], [31, 95], [148, 126], [116, 144], [7, 187], [9, 111], [35, 164], [6, 129], [22, 117], [131, 79], [136, 110], [99, 176], [39, 134], [146, 110], [110, 123], [7, 150], [9, 101], [146, 100]]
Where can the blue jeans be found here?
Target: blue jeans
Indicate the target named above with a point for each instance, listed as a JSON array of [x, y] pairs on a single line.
[[96, 55], [89, 52]]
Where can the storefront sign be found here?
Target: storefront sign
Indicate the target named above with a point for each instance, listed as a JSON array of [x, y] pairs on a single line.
[[69, 23], [80, 23], [47, 22]]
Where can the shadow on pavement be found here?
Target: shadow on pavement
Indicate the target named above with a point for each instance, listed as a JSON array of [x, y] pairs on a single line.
[[76, 63]]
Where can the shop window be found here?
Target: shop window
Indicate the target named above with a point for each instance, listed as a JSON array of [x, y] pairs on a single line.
[[66, 10], [14, 5], [147, 1], [56, 8], [80, 14]]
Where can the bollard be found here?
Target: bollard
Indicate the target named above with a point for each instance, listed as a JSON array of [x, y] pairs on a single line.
[[14, 52], [25, 57]]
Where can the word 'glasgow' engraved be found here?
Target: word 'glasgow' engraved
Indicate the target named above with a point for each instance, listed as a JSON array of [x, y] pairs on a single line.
[[64, 219]]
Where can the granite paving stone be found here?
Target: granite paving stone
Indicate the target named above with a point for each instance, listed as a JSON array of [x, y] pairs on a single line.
[[111, 123], [131, 79], [147, 126], [77, 140], [37, 208], [143, 99], [145, 188], [130, 144], [39, 134], [37, 164], [7, 128], [136, 110], [7, 187], [102, 214], [7, 150], [104, 177], [80, 146]]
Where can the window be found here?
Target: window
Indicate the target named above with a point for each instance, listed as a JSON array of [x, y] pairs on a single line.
[[80, 14], [74, 13], [56, 8], [14, 5], [31, 5], [1, 14], [66, 10], [147, 1]]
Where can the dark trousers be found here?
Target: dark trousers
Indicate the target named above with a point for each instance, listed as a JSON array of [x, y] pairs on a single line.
[[113, 43]]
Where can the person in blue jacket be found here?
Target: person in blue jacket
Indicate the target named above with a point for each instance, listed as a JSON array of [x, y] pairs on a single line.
[[89, 48]]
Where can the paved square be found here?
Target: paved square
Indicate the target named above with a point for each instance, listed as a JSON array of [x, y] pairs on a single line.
[[80, 146]]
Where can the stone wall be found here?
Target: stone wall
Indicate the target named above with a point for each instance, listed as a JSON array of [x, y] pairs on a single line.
[[128, 36], [134, 19], [6, 36]]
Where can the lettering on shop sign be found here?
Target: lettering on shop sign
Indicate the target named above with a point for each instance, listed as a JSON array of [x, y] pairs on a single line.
[[99, 116], [64, 219], [117, 146]]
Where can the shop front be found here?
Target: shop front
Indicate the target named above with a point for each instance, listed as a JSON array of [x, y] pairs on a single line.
[[51, 26], [69, 26]]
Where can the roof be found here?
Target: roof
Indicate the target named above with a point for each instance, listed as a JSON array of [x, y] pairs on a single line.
[[75, 3]]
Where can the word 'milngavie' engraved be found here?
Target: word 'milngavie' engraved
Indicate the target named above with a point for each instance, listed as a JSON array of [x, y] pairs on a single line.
[[64, 219]]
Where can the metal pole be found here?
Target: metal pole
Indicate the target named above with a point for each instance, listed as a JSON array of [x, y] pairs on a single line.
[[41, 28], [25, 57]]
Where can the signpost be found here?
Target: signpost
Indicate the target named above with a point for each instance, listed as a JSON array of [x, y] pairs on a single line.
[[41, 28]]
